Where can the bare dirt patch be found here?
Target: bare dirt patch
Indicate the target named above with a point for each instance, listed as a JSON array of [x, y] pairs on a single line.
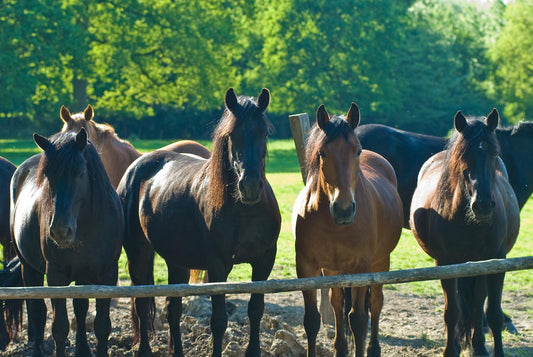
[[411, 325]]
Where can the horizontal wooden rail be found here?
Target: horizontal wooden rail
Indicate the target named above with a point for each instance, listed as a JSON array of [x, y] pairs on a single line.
[[273, 286]]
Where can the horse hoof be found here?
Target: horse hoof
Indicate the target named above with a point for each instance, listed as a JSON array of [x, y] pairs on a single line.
[[510, 327]]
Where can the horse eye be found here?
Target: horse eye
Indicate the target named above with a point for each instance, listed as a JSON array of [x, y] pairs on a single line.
[[359, 151]]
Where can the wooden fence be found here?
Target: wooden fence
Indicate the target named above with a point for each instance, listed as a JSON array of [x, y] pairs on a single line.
[[274, 286]]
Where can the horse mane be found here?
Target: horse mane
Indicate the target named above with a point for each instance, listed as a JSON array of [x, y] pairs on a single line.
[[220, 172], [335, 128], [458, 147], [60, 159]]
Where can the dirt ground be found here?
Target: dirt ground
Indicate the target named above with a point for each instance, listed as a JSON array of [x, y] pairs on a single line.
[[410, 326]]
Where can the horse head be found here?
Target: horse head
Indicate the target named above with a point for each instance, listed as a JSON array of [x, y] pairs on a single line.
[[63, 175], [247, 141], [74, 122], [338, 154], [479, 160]]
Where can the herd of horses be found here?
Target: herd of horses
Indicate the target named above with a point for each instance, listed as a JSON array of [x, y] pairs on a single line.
[[67, 212]]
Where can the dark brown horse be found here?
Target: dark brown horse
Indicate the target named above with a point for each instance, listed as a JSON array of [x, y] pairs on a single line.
[[346, 220], [67, 221], [464, 209], [205, 214], [9, 325]]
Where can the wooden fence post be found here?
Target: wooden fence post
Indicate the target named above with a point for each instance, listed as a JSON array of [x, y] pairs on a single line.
[[300, 127]]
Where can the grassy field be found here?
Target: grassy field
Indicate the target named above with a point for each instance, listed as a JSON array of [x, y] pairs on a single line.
[[284, 175]]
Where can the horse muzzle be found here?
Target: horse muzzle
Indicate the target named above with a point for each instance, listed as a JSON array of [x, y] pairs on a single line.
[[482, 210], [343, 215], [250, 190], [62, 234]]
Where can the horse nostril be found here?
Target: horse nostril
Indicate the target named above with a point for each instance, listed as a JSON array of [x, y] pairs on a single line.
[[492, 204]]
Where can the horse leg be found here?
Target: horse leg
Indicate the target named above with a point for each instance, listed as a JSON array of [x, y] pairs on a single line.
[[4, 335], [219, 319], [311, 314], [336, 298], [451, 317], [494, 310], [174, 311], [478, 338], [358, 317], [102, 326], [36, 310], [376, 304], [256, 306], [81, 306], [141, 267], [60, 325]]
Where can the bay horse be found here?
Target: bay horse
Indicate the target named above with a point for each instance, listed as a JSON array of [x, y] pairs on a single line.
[[464, 209], [347, 219], [204, 214], [116, 153], [67, 222]]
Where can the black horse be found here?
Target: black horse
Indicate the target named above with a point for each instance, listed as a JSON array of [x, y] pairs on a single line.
[[407, 151], [67, 222], [464, 209], [204, 214]]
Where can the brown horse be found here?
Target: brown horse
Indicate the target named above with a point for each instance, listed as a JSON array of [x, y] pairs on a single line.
[[464, 209], [204, 214], [347, 219], [117, 154]]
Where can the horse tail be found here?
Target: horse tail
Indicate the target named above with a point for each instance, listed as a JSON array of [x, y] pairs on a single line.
[[465, 288], [11, 276]]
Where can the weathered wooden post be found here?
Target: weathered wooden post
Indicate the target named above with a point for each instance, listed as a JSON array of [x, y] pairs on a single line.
[[300, 127]]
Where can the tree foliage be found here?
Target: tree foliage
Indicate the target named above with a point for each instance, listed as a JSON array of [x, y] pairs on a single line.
[[512, 54], [160, 67]]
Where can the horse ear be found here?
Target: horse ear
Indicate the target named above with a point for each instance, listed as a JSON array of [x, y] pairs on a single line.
[[264, 99], [64, 114], [459, 121], [41, 141], [230, 99], [353, 116], [81, 139], [322, 117], [493, 119], [88, 113]]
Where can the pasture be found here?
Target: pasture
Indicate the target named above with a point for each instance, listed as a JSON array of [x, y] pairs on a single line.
[[284, 175]]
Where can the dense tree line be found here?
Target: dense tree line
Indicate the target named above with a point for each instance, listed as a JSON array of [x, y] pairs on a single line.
[[159, 68]]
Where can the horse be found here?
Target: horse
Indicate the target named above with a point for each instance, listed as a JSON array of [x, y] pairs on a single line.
[[407, 152], [464, 209], [10, 323], [347, 219], [204, 214], [67, 222], [117, 154]]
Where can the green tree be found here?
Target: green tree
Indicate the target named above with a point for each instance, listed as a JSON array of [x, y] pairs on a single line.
[[512, 54]]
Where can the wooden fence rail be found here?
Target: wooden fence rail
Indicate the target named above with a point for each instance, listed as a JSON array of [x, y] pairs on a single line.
[[273, 286]]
